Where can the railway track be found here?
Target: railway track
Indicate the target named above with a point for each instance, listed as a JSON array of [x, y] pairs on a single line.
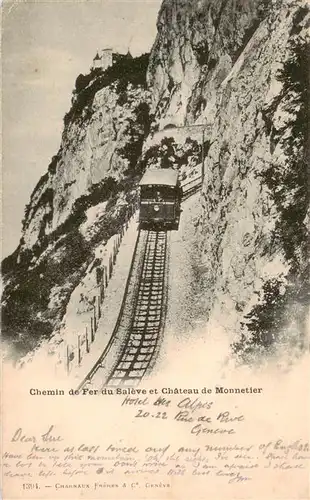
[[191, 187], [145, 330], [136, 337]]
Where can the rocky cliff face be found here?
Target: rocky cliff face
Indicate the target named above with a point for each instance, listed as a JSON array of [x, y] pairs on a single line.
[[253, 226], [240, 68], [97, 162], [196, 46]]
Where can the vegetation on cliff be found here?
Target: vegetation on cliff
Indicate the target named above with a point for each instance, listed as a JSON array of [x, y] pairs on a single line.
[[54, 265], [124, 71]]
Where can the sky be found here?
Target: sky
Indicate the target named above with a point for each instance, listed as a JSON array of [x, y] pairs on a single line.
[[45, 46]]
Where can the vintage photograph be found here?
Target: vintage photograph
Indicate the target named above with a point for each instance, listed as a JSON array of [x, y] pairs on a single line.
[[155, 222]]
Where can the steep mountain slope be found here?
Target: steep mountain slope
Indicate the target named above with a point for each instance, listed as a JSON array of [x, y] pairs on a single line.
[[97, 162], [255, 196], [196, 46], [239, 69], [242, 69]]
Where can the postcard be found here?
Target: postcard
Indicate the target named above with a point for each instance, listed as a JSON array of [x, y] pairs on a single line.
[[155, 305]]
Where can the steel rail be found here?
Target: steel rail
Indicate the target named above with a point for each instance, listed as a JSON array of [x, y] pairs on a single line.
[[145, 322], [117, 324], [146, 326]]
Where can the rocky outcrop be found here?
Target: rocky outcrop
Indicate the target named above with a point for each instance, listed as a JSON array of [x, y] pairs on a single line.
[[101, 139], [237, 69], [197, 45], [255, 199]]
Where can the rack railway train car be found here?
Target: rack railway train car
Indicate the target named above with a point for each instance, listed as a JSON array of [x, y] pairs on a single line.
[[160, 198]]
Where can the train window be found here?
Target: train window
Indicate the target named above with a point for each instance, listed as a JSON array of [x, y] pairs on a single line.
[[158, 193], [147, 192], [168, 193]]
